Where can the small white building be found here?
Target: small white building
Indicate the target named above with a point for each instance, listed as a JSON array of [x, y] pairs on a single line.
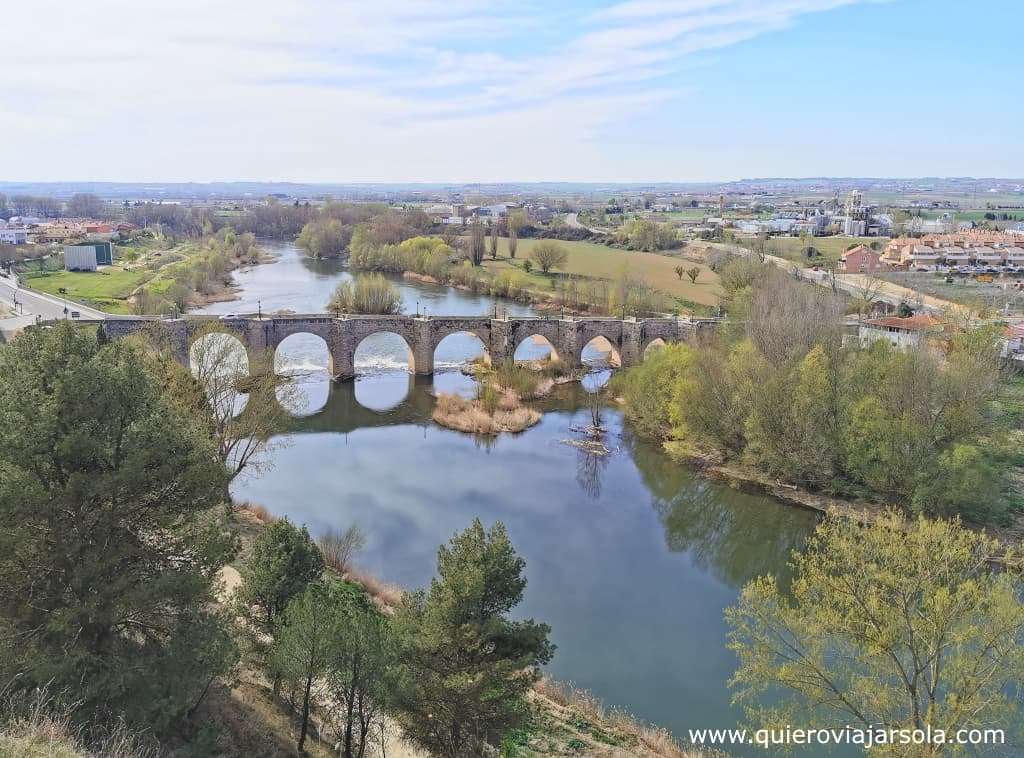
[[14, 235], [902, 332]]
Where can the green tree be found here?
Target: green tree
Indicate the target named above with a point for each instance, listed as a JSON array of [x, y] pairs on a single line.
[[548, 254], [893, 625], [466, 665], [324, 238], [516, 221], [693, 273], [361, 673], [679, 272], [302, 645], [494, 240], [368, 294], [284, 561], [111, 545]]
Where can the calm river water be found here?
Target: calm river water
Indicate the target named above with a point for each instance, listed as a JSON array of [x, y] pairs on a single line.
[[630, 558]]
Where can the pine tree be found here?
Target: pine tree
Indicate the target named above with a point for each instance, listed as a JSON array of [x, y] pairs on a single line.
[[110, 545], [284, 561], [466, 666]]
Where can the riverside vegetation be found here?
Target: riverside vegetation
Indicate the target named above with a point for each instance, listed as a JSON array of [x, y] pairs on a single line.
[[112, 487], [935, 431]]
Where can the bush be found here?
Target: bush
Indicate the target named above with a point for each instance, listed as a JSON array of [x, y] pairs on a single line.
[[548, 255], [340, 548], [372, 294]]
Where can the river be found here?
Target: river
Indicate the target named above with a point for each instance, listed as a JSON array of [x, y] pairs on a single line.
[[629, 557]]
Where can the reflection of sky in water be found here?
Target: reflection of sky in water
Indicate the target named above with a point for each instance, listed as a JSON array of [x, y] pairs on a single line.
[[631, 559]]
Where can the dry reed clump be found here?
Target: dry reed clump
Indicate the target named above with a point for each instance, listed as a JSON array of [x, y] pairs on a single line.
[[44, 723], [387, 596], [657, 740], [258, 511], [455, 412]]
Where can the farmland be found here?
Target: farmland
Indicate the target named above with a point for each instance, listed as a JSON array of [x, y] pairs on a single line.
[[588, 259]]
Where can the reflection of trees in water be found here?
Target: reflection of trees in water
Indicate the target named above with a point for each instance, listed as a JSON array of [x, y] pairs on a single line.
[[589, 470], [735, 535]]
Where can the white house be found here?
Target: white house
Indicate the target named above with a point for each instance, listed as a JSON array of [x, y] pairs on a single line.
[[901, 332], [13, 235]]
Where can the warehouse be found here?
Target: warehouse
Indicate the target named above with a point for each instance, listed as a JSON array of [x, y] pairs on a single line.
[[87, 256]]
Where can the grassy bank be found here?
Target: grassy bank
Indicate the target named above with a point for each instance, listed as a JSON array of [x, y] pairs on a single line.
[[154, 275], [107, 289], [588, 259]]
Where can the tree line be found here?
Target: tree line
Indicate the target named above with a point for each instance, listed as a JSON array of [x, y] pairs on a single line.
[[778, 389]]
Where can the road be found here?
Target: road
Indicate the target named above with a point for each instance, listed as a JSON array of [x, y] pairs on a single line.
[[47, 307], [856, 285], [573, 220]]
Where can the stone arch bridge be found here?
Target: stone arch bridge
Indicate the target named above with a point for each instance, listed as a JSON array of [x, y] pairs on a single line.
[[629, 338]]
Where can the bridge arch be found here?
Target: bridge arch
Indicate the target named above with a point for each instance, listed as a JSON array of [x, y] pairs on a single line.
[[305, 360], [219, 361], [383, 350], [301, 352], [535, 347], [600, 352], [653, 345], [459, 347]]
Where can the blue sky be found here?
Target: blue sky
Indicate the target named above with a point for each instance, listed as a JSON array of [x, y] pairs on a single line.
[[461, 90]]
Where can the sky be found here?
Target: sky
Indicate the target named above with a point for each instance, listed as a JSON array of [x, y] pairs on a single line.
[[536, 90]]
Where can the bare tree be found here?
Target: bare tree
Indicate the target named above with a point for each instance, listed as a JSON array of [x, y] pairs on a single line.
[[516, 221], [249, 405], [477, 243], [340, 548], [787, 318]]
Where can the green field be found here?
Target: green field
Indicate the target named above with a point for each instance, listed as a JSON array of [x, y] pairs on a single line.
[[602, 262], [108, 288]]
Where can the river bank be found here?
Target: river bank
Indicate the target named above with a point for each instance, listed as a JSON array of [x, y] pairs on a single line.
[[626, 551], [567, 721]]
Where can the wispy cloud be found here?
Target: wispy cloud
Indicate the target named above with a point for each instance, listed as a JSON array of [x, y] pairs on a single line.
[[174, 85]]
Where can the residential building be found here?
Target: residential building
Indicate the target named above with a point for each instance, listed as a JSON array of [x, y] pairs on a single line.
[[860, 260], [911, 331], [13, 235]]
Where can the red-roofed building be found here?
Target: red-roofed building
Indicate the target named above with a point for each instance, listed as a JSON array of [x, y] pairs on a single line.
[[860, 260], [902, 332]]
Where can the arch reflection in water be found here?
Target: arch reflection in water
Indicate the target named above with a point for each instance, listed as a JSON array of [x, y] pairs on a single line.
[[305, 361], [451, 355], [600, 356], [382, 391], [218, 361]]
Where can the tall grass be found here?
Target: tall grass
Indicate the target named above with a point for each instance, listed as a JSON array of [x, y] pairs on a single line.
[[497, 413], [655, 738], [42, 723], [370, 294]]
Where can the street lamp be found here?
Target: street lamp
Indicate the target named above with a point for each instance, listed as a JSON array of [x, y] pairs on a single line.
[[259, 309]]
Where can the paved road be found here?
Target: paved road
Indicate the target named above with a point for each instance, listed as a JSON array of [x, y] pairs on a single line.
[[573, 220], [46, 307]]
